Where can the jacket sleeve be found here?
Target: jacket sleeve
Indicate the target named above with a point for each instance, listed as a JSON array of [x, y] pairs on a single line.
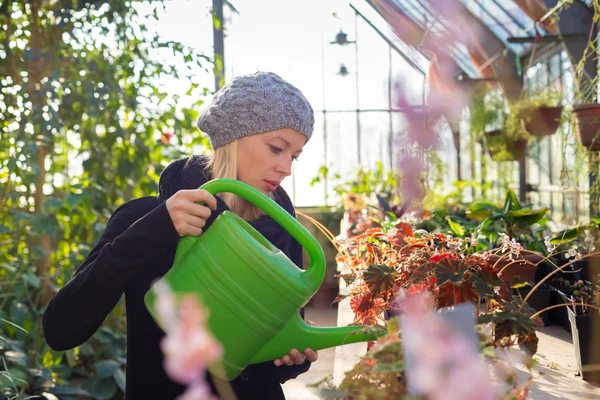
[[133, 236]]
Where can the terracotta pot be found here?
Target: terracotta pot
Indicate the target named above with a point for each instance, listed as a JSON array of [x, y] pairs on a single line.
[[517, 148], [544, 121], [587, 122], [524, 270]]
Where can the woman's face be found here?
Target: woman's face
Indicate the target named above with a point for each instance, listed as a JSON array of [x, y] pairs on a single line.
[[265, 159]]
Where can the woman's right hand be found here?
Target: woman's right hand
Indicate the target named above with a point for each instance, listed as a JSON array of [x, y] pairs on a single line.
[[188, 217]]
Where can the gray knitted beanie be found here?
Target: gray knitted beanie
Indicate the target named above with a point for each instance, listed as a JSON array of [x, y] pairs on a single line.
[[255, 103]]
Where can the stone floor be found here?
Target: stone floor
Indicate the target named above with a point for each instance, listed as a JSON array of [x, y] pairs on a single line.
[[554, 375]]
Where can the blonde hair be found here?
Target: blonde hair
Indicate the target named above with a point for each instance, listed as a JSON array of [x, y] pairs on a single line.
[[223, 164]]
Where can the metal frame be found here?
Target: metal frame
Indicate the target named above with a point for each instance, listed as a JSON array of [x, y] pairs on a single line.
[[390, 110]]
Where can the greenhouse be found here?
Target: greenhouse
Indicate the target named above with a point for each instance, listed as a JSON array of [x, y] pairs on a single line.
[[370, 199]]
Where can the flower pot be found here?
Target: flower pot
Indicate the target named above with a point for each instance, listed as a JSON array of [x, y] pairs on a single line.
[[516, 148], [585, 343], [543, 122], [522, 269], [560, 313], [587, 122], [539, 300]]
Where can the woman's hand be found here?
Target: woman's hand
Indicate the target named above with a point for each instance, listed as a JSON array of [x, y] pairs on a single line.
[[297, 358], [188, 217]]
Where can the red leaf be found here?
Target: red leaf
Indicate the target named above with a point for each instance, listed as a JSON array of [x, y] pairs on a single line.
[[439, 257], [361, 304], [405, 229], [452, 293]]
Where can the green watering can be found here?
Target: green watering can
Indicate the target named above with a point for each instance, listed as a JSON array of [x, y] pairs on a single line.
[[252, 291]]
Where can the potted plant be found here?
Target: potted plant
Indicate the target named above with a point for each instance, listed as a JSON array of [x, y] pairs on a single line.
[[538, 115], [387, 264], [508, 142], [584, 318], [489, 124], [539, 300], [587, 125], [586, 111], [508, 256]]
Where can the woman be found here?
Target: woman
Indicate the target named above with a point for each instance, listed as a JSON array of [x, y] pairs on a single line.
[[257, 126]]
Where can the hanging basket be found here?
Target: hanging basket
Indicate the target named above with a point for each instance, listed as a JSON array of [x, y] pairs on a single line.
[[543, 122], [515, 149], [587, 123]]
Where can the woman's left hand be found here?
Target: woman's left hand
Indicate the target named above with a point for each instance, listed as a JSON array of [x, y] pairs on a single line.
[[297, 358]]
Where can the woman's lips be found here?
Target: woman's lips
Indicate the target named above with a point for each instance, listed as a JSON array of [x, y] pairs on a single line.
[[271, 185]]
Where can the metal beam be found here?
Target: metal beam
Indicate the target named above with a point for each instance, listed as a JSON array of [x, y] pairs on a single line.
[[389, 42], [547, 38], [505, 65], [218, 43], [576, 19], [417, 33]]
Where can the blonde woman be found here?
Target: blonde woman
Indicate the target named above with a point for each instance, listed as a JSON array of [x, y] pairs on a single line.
[[257, 125]]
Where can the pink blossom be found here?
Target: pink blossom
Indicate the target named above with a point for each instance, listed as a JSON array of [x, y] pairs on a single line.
[[198, 390], [444, 365], [187, 346]]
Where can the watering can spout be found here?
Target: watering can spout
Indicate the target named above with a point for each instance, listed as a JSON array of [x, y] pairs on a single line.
[[297, 334]]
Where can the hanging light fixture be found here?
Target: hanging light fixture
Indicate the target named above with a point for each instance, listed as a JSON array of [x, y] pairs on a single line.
[[343, 71], [341, 38]]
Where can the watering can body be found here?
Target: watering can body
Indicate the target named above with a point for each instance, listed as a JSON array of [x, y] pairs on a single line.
[[252, 291]]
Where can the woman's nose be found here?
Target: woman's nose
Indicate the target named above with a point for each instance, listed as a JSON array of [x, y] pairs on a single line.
[[285, 167]]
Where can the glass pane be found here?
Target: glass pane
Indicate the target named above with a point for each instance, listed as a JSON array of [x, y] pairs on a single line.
[[342, 148], [374, 139], [373, 78], [447, 153], [406, 80], [339, 71], [306, 168], [503, 18]]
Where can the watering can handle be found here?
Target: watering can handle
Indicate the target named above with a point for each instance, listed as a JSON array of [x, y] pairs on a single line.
[[316, 272]]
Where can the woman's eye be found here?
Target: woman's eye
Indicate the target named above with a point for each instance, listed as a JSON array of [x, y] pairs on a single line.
[[275, 150]]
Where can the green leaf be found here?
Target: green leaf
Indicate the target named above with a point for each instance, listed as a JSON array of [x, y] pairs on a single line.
[[60, 390], [520, 285], [102, 389], [566, 236], [72, 356], [106, 368], [17, 357], [15, 325], [48, 360], [528, 216], [480, 206], [73, 200], [511, 201], [50, 205], [15, 376], [32, 280], [119, 376], [457, 228], [4, 229]]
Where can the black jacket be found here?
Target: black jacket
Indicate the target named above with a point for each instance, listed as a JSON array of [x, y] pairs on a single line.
[[137, 247]]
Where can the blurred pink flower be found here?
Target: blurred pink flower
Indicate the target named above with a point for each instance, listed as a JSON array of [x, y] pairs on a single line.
[[188, 347], [443, 365]]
